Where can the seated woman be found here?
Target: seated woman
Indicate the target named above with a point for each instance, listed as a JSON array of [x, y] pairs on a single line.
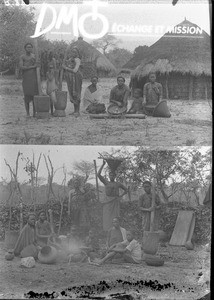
[[137, 104], [27, 239], [93, 97], [116, 234], [120, 93], [130, 250], [43, 229]]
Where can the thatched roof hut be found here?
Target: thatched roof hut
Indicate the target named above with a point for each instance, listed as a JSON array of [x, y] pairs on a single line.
[[93, 61], [182, 62]]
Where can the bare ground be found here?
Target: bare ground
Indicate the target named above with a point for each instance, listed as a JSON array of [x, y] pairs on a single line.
[[182, 268], [189, 125]]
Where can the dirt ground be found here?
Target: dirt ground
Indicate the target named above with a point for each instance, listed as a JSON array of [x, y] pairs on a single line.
[[189, 125], [187, 271]]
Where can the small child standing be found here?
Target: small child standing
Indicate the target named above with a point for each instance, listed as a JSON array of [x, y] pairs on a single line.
[[152, 93], [93, 245], [137, 104], [52, 84]]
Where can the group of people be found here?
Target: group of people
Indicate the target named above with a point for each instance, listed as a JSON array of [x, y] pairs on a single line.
[[121, 245], [142, 99]]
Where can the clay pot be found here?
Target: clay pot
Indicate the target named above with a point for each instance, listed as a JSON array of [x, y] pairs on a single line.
[[48, 255], [9, 256], [152, 260], [11, 237], [42, 106], [61, 104], [189, 245], [161, 110]]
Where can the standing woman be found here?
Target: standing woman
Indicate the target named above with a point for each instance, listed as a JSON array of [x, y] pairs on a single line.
[[28, 66], [73, 78]]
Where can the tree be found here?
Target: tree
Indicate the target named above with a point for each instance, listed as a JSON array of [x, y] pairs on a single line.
[[105, 43], [119, 56], [180, 170], [16, 26], [140, 51], [32, 169], [84, 168]]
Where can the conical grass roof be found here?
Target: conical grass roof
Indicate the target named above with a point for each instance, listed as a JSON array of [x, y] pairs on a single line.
[[178, 52]]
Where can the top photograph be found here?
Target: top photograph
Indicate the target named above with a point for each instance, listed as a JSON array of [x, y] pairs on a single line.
[[106, 73]]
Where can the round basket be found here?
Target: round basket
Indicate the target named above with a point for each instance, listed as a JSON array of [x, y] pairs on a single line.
[[114, 163], [114, 109]]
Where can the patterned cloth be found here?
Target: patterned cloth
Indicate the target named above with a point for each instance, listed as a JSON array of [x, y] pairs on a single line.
[[153, 92], [111, 205], [74, 80], [27, 237], [119, 93], [135, 250]]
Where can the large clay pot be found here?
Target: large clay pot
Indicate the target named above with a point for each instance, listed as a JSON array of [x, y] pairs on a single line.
[[42, 106], [162, 110], [11, 237], [61, 104], [152, 260], [47, 255], [150, 242]]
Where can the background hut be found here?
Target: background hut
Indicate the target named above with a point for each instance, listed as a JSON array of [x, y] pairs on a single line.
[[93, 61], [182, 62]]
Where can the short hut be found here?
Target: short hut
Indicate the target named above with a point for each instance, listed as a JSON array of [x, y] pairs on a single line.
[[93, 61], [182, 62]]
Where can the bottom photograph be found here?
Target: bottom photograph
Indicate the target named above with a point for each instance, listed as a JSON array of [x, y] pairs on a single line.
[[100, 222]]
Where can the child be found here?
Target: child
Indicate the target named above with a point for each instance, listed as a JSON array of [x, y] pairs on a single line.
[[130, 250], [74, 245], [137, 104], [152, 93], [92, 244], [52, 84]]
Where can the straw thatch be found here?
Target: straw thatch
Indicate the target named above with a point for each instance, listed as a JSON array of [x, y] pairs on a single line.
[[93, 61], [182, 63]]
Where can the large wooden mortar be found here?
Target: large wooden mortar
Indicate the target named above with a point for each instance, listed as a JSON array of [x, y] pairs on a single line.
[[42, 106], [150, 242], [11, 237], [61, 104], [41, 102]]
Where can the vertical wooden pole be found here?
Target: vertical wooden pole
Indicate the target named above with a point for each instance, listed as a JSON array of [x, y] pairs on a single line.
[[97, 185], [167, 89], [191, 87], [37, 69], [152, 219], [205, 91], [62, 70]]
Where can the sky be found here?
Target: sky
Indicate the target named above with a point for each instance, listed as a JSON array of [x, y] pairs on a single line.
[[59, 155], [148, 15]]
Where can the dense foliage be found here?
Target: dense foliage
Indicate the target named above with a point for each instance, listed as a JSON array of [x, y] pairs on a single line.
[[130, 218]]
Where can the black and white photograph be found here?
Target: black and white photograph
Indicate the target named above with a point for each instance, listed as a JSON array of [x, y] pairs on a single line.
[[105, 149], [102, 215], [149, 73]]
